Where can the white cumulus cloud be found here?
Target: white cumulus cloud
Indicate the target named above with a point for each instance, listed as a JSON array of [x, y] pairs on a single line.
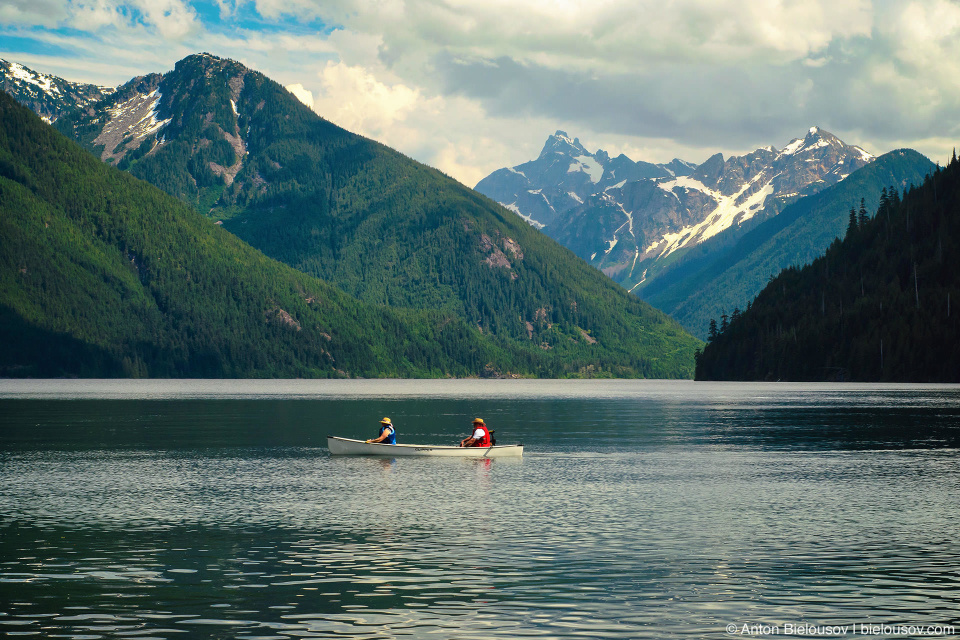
[[355, 99], [303, 95]]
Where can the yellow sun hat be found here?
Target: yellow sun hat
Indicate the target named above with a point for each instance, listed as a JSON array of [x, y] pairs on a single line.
[[386, 421]]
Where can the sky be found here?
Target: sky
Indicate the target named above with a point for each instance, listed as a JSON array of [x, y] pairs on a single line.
[[469, 86]]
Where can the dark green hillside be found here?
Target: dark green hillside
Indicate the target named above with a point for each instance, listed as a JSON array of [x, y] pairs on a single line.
[[383, 227], [718, 276], [879, 306], [104, 275]]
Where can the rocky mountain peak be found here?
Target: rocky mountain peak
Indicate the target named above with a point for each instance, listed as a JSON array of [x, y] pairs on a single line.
[[710, 171], [561, 143], [204, 60], [817, 138]]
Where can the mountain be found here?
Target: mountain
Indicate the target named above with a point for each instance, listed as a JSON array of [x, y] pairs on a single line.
[[390, 231], [47, 95], [880, 305], [631, 219], [725, 272], [104, 275], [565, 174]]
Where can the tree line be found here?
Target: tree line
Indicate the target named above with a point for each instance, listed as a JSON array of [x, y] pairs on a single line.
[[879, 305]]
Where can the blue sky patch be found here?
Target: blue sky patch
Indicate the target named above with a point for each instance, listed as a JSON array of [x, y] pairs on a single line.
[[245, 17], [10, 45]]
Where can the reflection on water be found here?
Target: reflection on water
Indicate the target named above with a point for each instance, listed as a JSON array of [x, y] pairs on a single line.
[[635, 514]]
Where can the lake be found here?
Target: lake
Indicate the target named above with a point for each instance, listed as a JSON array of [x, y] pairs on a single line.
[[641, 509]]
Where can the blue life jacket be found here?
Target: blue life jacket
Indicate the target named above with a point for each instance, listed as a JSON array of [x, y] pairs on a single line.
[[392, 438]]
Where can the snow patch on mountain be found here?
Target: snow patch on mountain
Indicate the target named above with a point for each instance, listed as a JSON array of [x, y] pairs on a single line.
[[628, 214], [589, 165], [513, 207], [43, 81], [685, 182], [792, 148], [724, 215], [130, 122]]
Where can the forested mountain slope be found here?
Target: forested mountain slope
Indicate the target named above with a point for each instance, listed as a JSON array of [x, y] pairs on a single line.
[[104, 275], [382, 227], [720, 275], [881, 305]]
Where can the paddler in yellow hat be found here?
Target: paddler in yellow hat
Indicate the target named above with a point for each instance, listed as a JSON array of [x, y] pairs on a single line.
[[388, 434]]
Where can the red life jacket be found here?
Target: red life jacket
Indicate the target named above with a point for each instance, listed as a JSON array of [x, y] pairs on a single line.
[[485, 440]]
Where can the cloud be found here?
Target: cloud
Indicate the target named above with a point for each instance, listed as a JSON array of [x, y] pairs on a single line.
[[699, 72], [303, 95], [451, 133], [94, 15], [472, 85], [170, 18], [602, 35], [356, 100], [734, 73], [43, 13]]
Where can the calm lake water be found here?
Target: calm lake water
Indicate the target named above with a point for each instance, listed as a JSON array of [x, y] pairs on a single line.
[[212, 509]]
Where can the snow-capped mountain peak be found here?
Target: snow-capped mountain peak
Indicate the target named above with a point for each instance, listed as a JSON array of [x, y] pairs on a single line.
[[817, 138], [565, 176], [762, 183], [624, 216], [47, 95], [563, 144]]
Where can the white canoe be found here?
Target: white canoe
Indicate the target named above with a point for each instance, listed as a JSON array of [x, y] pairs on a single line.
[[348, 447]]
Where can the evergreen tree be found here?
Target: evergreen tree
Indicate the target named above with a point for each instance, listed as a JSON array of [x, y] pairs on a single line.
[[852, 224]]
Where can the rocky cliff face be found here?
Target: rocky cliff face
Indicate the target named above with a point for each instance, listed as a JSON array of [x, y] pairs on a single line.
[[626, 218]]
